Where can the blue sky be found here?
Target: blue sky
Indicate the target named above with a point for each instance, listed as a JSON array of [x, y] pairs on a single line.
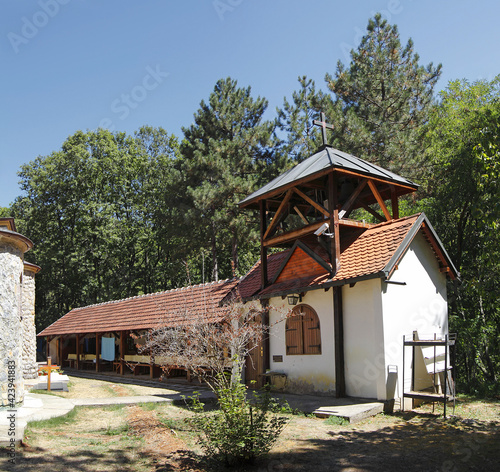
[[79, 64]]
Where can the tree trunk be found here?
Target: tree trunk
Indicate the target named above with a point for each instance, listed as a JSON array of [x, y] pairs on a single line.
[[215, 264], [235, 255]]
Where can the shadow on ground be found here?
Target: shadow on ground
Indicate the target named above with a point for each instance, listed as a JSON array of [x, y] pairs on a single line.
[[419, 444], [429, 445]]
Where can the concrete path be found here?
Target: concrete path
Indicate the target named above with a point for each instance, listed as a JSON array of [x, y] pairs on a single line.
[[42, 407], [35, 407]]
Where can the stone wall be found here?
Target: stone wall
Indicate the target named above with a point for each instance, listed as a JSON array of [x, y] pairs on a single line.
[[11, 270], [30, 368]]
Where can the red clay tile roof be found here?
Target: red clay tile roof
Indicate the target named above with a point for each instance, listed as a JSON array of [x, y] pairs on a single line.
[[366, 256], [250, 283], [146, 311]]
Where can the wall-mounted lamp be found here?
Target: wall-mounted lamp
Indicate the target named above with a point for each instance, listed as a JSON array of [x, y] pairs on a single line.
[[294, 299]]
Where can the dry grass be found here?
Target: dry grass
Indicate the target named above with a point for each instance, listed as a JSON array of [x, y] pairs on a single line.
[[155, 437]]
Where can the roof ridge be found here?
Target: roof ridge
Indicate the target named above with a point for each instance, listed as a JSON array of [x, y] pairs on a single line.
[[109, 302]]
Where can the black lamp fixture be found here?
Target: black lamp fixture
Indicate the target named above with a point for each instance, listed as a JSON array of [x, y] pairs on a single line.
[[294, 299]]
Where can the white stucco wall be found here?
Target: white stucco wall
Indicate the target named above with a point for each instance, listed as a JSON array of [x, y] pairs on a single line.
[[363, 339], [420, 305], [376, 316], [305, 373]]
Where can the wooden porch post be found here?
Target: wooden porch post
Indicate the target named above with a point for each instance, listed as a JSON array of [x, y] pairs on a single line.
[[122, 352], [97, 350], [47, 349], [267, 349], [151, 365], [394, 203], [263, 249], [77, 352]]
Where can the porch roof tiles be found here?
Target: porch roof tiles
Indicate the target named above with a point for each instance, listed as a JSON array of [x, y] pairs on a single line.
[[146, 311]]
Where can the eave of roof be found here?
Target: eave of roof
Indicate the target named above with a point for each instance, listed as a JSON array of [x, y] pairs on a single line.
[[24, 243], [325, 160], [168, 308], [406, 229]]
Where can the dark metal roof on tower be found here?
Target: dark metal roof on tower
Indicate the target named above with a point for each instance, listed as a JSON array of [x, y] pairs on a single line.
[[323, 161]]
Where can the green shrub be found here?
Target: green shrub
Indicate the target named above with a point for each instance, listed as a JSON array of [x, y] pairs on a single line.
[[241, 430]]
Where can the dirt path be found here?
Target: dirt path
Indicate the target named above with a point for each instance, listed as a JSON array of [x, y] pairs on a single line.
[[162, 444]]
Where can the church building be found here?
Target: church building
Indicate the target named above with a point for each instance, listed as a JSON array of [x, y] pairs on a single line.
[[355, 287]]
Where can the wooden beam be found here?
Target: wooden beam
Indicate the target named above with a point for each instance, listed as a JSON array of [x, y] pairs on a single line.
[[47, 347], [371, 211], [334, 223], [151, 365], [338, 327], [263, 249], [77, 352], [292, 235], [59, 351], [309, 200], [350, 202], [394, 203], [379, 199], [122, 352], [355, 224], [97, 351], [301, 216], [278, 213]]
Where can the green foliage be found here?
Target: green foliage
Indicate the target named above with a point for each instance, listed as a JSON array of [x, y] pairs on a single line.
[[225, 155], [5, 212], [302, 138], [464, 192], [382, 99], [241, 430], [96, 211]]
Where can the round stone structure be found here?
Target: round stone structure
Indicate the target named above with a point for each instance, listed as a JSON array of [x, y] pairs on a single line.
[[12, 248]]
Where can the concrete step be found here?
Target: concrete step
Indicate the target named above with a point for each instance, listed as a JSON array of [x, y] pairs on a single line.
[[351, 413]]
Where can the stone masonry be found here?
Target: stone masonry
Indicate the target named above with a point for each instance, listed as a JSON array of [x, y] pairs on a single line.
[[12, 248], [30, 368], [11, 270]]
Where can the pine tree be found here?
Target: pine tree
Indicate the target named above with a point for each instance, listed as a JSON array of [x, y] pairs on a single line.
[[296, 120], [385, 97], [223, 153]]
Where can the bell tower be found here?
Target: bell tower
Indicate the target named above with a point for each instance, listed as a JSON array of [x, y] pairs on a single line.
[[313, 203]]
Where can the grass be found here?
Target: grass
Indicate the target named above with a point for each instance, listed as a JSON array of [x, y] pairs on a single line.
[[54, 422], [118, 431], [112, 407], [107, 438], [149, 406], [336, 420], [108, 389], [43, 392]]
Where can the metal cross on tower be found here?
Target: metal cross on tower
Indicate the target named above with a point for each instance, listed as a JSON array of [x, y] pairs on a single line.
[[322, 122]]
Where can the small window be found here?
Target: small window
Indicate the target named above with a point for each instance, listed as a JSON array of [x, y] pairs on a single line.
[[303, 333]]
